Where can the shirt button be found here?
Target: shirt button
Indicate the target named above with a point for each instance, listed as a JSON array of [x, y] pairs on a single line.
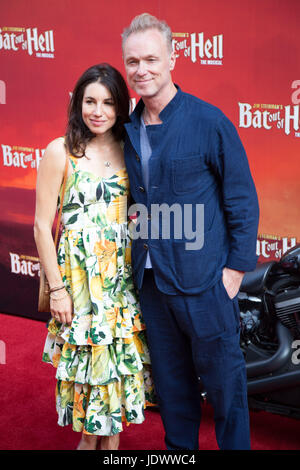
[[146, 246], [142, 189]]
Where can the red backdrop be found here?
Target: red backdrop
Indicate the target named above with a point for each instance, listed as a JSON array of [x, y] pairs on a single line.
[[240, 56]]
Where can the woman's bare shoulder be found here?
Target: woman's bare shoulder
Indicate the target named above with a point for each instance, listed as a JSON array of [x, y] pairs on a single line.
[[57, 145], [55, 153]]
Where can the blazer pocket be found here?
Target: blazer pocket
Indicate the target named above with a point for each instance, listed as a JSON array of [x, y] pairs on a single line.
[[195, 268], [186, 173]]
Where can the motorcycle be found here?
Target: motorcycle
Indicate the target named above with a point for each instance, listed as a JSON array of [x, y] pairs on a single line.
[[269, 301]]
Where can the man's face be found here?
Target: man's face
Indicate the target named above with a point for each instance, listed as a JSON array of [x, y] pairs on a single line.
[[148, 63]]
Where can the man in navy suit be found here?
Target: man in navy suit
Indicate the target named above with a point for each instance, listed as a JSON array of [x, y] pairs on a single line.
[[184, 154]]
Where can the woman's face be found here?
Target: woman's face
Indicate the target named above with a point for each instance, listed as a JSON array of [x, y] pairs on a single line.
[[98, 109]]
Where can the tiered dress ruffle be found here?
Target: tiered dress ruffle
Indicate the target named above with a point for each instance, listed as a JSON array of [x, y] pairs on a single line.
[[102, 359]]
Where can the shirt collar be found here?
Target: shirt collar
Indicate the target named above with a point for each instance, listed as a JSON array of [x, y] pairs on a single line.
[[164, 114]]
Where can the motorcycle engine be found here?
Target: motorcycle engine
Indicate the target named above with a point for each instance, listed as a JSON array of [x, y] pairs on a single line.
[[287, 309], [256, 327]]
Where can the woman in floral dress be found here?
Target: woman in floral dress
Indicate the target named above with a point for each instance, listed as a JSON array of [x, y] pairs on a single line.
[[96, 336]]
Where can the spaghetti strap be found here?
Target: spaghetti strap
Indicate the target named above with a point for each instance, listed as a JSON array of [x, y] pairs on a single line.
[[73, 160]]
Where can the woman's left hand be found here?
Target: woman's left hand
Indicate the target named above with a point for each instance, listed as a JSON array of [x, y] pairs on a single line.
[[61, 307]]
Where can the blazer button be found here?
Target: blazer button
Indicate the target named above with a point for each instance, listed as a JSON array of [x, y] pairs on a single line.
[[137, 158], [146, 246], [142, 189]]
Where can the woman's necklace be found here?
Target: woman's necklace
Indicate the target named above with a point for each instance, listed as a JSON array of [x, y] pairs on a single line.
[[107, 163]]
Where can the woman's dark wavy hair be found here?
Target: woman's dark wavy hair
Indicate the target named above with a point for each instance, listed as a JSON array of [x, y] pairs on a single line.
[[78, 134]]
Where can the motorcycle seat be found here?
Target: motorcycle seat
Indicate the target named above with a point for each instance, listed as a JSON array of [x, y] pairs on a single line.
[[254, 282]]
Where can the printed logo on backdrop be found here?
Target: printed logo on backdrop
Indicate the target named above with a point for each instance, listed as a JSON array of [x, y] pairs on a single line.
[[2, 352], [199, 48], [273, 247], [2, 92], [35, 42], [273, 116], [24, 265], [20, 157]]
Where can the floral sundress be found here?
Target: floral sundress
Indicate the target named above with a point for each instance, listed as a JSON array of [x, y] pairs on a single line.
[[102, 360]]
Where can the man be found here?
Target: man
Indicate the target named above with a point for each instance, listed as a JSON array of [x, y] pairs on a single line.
[[183, 151]]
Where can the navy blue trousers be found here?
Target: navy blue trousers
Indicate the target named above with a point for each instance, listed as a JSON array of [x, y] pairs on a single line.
[[192, 337]]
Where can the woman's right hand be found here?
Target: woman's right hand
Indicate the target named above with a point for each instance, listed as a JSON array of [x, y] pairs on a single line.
[[61, 307]]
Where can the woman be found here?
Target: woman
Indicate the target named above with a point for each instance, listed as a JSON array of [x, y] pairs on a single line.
[[96, 337]]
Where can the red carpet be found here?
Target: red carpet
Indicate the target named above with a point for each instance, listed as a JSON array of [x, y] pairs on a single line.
[[28, 416]]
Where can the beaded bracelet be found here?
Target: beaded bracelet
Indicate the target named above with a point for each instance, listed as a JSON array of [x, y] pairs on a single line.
[[54, 289]]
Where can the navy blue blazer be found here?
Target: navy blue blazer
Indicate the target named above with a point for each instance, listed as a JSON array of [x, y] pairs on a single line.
[[197, 159]]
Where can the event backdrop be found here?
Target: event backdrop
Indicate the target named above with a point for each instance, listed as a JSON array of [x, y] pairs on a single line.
[[240, 56]]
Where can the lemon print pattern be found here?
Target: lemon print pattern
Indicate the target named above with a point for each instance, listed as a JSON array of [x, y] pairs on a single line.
[[102, 360]]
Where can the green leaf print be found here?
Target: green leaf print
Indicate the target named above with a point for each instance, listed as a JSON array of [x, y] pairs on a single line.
[[95, 308], [84, 402], [90, 426], [60, 258], [80, 262], [108, 285], [99, 191], [130, 415], [118, 418], [114, 426], [120, 252], [115, 185], [95, 336], [137, 399], [80, 245], [81, 197], [104, 410], [73, 219], [67, 355], [46, 357], [71, 207], [110, 234], [100, 220], [67, 418], [132, 367], [107, 195], [76, 179]]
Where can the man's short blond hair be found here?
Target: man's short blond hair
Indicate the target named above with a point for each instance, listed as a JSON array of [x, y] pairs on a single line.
[[144, 22]]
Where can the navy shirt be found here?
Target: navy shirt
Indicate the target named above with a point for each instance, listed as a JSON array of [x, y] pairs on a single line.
[[145, 155], [197, 158]]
